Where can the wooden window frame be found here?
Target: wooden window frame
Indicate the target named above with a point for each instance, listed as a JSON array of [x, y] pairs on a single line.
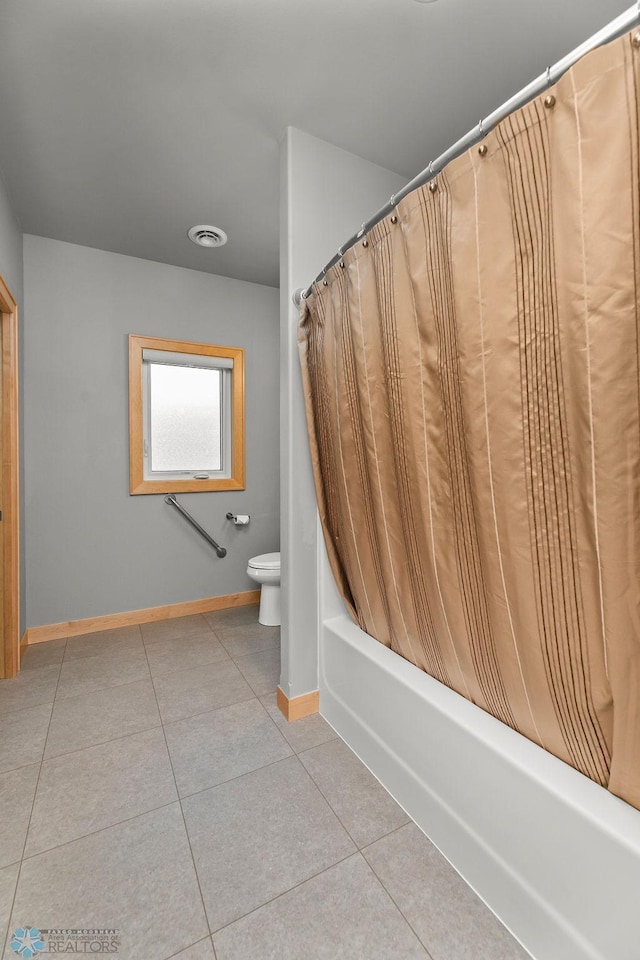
[[137, 482]]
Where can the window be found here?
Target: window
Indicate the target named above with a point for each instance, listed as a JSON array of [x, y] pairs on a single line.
[[186, 416]]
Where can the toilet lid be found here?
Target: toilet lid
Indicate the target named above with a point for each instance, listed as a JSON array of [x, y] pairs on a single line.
[[266, 561]]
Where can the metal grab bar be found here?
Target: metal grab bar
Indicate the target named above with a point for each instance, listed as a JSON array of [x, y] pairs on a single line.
[[170, 498]]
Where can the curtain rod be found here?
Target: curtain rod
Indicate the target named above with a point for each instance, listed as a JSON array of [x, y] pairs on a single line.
[[551, 75]]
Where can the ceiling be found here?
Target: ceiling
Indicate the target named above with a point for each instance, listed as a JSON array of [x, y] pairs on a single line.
[[125, 122]]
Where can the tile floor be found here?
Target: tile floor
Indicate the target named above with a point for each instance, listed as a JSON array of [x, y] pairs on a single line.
[[148, 783]]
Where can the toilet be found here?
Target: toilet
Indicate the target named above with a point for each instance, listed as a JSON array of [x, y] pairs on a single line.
[[265, 570]]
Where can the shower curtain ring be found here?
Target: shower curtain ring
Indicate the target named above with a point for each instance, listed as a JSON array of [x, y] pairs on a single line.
[[481, 127], [549, 68]]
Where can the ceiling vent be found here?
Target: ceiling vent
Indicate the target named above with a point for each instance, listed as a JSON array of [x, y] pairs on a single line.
[[207, 236]]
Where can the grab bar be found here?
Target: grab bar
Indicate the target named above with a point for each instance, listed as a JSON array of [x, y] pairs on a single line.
[[170, 498]]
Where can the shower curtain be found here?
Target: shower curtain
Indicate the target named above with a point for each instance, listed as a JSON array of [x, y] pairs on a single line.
[[472, 383]]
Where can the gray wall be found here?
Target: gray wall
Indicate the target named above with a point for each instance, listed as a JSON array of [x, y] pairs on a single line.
[[10, 246], [11, 271], [325, 195], [92, 549]]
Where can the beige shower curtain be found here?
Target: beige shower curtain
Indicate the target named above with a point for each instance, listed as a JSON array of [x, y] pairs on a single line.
[[471, 373]]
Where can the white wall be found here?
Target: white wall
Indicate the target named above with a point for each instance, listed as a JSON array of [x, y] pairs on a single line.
[[326, 193], [92, 549]]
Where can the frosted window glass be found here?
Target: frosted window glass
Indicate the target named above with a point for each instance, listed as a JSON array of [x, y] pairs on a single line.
[[185, 418]]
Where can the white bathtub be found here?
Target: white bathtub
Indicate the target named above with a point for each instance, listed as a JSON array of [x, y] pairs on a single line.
[[555, 856]]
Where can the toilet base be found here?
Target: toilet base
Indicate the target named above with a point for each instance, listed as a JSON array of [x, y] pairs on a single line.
[[269, 614]]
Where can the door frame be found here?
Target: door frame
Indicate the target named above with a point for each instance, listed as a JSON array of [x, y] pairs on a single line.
[[9, 464]]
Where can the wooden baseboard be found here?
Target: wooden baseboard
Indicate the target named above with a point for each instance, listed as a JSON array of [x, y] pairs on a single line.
[[74, 628], [297, 707]]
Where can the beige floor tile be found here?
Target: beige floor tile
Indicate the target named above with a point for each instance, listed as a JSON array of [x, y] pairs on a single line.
[[277, 868], [261, 670], [43, 654], [213, 747], [233, 616], [274, 839], [29, 688], [365, 808], [90, 674], [16, 797], [171, 656], [176, 627], [95, 788], [199, 951], [121, 642], [248, 638], [259, 835], [8, 881], [304, 733], [101, 716], [342, 914], [200, 689], [137, 877], [23, 735], [451, 921]]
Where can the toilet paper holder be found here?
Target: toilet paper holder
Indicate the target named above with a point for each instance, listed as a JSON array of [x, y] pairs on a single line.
[[240, 520]]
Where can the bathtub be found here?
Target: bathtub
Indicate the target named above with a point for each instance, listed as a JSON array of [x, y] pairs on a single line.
[[554, 855]]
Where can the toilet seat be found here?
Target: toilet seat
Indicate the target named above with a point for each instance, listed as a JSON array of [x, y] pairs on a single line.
[[266, 561]]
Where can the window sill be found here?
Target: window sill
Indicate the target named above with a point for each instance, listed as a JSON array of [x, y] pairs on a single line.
[[185, 486]]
